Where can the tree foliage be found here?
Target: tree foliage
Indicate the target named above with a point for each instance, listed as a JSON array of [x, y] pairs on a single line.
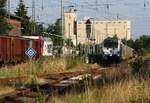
[[69, 43], [21, 10], [56, 29], [5, 27], [29, 27], [26, 24], [140, 45], [137, 65]]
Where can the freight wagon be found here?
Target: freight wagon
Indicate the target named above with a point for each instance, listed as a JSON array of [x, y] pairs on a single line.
[[12, 49]]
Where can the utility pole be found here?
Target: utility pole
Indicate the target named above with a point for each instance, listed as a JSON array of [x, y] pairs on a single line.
[[33, 10], [33, 14], [62, 11], [96, 2], [8, 8], [117, 16], [42, 5]]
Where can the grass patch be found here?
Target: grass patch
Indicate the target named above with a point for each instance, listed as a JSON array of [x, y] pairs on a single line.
[[6, 90], [116, 86], [45, 65], [129, 91]]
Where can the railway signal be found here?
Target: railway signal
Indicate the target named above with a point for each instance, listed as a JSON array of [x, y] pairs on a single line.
[[30, 52], [88, 28]]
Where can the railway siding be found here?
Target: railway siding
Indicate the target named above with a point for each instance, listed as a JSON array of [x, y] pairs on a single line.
[[52, 84]]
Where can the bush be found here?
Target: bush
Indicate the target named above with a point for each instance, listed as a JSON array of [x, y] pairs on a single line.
[[71, 62], [137, 65], [140, 67]]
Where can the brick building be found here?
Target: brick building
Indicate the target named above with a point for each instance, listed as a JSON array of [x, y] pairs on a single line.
[[16, 23]]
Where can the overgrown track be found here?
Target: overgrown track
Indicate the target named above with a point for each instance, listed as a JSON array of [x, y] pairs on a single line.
[[51, 84]]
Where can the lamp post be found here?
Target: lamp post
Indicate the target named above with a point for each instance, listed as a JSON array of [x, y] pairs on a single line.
[[33, 15], [62, 17]]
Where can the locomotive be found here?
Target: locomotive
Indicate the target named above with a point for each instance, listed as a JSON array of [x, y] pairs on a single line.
[[109, 51], [113, 50], [13, 48]]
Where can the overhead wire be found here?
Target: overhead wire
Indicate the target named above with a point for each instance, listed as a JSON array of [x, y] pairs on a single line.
[[89, 7]]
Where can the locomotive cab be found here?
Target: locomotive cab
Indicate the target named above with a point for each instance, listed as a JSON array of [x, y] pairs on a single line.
[[46, 44], [47, 47], [111, 49]]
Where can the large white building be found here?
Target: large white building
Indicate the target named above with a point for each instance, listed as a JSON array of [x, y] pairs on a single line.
[[99, 29]]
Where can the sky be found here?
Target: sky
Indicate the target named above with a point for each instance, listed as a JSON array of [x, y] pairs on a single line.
[[47, 11]]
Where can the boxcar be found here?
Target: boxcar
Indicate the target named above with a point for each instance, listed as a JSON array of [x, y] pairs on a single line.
[[12, 49]]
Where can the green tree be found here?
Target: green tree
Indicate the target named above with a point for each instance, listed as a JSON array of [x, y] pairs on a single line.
[[5, 27], [141, 45], [137, 65], [56, 30], [146, 42], [115, 37], [129, 43], [21, 10], [26, 24], [69, 43], [138, 46]]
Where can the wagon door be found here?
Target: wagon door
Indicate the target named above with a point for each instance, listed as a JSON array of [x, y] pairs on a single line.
[[36, 47], [17, 49], [0, 50], [25, 46], [6, 49]]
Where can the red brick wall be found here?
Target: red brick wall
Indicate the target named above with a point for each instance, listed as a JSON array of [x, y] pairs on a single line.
[[16, 31]]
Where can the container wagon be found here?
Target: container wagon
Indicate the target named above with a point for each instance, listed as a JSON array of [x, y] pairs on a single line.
[[12, 49]]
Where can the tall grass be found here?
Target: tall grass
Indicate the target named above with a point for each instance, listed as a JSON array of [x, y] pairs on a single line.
[[5, 90], [115, 86], [45, 65], [129, 91]]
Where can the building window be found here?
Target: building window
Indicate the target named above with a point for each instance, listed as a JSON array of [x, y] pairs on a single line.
[[96, 22]]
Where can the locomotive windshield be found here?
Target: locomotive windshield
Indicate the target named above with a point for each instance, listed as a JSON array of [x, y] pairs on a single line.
[[110, 43], [49, 48]]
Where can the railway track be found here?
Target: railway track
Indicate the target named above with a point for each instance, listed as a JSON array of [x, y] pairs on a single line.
[[52, 84]]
